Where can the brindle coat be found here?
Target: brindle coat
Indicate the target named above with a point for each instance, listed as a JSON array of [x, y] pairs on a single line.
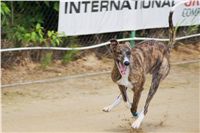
[[146, 57]]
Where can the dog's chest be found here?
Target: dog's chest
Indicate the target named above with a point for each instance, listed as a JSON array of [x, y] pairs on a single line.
[[124, 80]]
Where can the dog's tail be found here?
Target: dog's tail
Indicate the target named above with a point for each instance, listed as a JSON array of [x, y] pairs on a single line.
[[172, 30]]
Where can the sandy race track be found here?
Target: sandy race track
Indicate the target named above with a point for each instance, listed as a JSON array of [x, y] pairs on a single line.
[[76, 105]]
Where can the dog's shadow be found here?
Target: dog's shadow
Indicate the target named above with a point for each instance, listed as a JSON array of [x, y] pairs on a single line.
[[126, 130], [125, 126], [136, 130], [130, 130]]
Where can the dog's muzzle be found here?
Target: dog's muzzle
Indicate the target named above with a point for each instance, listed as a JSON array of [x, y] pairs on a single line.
[[126, 61]]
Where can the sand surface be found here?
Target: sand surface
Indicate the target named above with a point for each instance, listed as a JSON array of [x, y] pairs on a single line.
[[75, 105]]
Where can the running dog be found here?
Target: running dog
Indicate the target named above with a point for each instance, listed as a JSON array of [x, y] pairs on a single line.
[[132, 64]]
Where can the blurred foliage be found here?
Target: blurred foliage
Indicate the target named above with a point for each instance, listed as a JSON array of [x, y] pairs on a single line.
[[69, 55], [23, 22], [5, 13], [46, 60], [193, 29], [53, 38], [26, 23]]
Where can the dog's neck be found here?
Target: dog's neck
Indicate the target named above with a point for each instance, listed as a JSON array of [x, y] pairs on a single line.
[[124, 78]]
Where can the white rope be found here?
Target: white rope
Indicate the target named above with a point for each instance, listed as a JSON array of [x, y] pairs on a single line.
[[79, 76], [94, 46]]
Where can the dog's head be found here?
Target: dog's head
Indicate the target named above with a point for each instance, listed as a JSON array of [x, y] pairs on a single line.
[[121, 54]]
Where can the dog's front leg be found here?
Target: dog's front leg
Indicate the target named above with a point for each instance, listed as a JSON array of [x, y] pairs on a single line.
[[114, 104], [139, 116], [128, 103], [136, 99], [123, 90]]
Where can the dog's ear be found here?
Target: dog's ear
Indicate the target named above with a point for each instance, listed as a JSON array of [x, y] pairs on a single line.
[[128, 44], [113, 44]]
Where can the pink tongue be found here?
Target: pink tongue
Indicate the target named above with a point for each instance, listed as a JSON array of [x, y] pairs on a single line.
[[122, 69]]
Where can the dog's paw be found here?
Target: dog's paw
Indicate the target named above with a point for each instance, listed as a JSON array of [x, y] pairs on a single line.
[[136, 124], [107, 109]]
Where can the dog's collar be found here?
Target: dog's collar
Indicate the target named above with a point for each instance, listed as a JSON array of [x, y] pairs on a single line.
[[135, 114]]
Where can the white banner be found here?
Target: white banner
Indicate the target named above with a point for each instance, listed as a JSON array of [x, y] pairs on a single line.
[[81, 17]]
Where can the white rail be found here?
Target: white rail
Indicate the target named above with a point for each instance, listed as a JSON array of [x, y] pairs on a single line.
[[93, 46]]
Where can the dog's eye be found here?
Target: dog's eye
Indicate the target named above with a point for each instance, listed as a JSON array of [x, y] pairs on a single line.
[[128, 52]]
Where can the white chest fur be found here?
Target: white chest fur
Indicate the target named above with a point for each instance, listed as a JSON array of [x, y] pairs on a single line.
[[124, 79]]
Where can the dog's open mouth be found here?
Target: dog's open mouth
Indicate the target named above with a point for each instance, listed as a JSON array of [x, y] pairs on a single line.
[[121, 67]]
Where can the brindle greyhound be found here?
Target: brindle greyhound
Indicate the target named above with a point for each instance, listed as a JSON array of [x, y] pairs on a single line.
[[132, 64]]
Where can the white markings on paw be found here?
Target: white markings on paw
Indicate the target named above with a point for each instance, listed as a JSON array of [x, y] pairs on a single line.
[[107, 109], [136, 124], [114, 104]]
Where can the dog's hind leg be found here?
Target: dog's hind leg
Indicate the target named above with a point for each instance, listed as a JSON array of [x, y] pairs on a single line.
[[156, 78], [154, 86]]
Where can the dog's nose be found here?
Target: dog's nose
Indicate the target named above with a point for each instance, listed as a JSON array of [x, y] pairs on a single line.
[[126, 63]]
